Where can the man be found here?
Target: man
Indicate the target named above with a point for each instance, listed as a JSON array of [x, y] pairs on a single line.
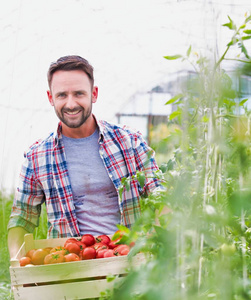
[[77, 170]]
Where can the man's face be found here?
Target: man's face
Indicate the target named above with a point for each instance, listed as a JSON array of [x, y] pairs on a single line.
[[72, 96]]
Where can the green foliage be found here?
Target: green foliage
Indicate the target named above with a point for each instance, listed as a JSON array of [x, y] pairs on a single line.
[[196, 235], [5, 286]]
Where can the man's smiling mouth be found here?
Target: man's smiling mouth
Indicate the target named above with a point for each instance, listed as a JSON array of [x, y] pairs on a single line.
[[72, 113]]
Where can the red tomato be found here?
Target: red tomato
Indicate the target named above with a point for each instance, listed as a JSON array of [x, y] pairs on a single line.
[[113, 244], [73, 248], [98, 246], [81, 245], [100, 253], [38, 256], [88, 253], [71, 257], [25, 260], [103, 238], [88, 239], [109, 253], [122, 249], [54, 258], [71, 240]]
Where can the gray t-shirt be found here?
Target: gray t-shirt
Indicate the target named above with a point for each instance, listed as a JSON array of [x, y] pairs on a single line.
[[94, 194]]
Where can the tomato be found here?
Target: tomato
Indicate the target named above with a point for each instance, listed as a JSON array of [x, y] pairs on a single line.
[[122, 249], [98, 246], [113, 244], [54, 258], [81, 245], [38, 256], [60, 249], [25, 260], [48, 249], [71, 257], [88, 253], [228, 250], [100, 253], [70, 240], [109, 253], [103, 238], [73, 248], [30, 253], [88, 239]]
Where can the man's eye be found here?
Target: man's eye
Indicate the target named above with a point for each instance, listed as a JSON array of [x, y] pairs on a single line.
[[79, 93], [62, 95]]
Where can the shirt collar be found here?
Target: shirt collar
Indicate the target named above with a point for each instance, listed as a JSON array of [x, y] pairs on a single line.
[[58, 132]]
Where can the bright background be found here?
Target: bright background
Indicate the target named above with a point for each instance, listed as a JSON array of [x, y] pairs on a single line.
[[125, 41]]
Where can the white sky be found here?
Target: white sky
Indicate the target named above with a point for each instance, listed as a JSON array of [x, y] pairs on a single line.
[[125, 41]]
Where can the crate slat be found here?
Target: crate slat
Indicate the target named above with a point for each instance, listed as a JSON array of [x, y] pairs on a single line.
[[73, 270], [66, 291]]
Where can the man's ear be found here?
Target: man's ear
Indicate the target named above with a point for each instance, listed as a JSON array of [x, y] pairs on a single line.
[[50, 97], [94, 94]]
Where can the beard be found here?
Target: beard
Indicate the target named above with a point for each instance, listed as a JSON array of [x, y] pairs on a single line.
[[79, 120]]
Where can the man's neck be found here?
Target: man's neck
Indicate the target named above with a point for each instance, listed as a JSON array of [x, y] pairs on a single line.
[[85, 130]]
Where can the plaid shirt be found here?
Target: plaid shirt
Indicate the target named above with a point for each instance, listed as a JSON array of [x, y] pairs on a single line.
[[44, 178]]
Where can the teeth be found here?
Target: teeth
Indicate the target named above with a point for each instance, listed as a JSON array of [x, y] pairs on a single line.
[[72, 113]]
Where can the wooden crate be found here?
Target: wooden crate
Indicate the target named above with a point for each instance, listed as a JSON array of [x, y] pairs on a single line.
[[83, 279]]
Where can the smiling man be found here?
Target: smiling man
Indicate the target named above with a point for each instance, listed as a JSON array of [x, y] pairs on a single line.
[[77, 170]]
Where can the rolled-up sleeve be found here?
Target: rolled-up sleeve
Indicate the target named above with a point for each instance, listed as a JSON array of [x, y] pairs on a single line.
[[145, 161], [28, 198]]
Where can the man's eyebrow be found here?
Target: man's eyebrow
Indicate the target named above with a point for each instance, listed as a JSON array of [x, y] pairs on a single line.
[[60, 92], [81, 91]]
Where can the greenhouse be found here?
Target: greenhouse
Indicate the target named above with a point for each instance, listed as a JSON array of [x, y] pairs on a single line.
[[132, 183]]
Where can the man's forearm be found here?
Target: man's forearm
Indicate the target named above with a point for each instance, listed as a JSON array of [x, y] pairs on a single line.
[[15, 240]]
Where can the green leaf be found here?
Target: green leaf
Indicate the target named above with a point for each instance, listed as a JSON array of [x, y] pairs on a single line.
[[173, 57], [174, 114], [248, 19], [229, 103], [189, 51], [243, 102], [123, 228], [127, 184], [247, 37], [247, 31], [205, 119], [233, 42], [175, 98], [141, 178], [230, 25], [244, 51], [110, 278]]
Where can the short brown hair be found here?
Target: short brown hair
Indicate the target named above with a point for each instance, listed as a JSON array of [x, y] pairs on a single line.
[[70, 63]]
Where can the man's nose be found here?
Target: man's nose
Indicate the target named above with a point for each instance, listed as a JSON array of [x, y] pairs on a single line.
[[70, 102]]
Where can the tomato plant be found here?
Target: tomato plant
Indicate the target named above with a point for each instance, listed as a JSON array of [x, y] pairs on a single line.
[[196, 232]]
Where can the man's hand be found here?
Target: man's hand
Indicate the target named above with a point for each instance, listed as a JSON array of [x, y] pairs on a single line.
[[15, 240]]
